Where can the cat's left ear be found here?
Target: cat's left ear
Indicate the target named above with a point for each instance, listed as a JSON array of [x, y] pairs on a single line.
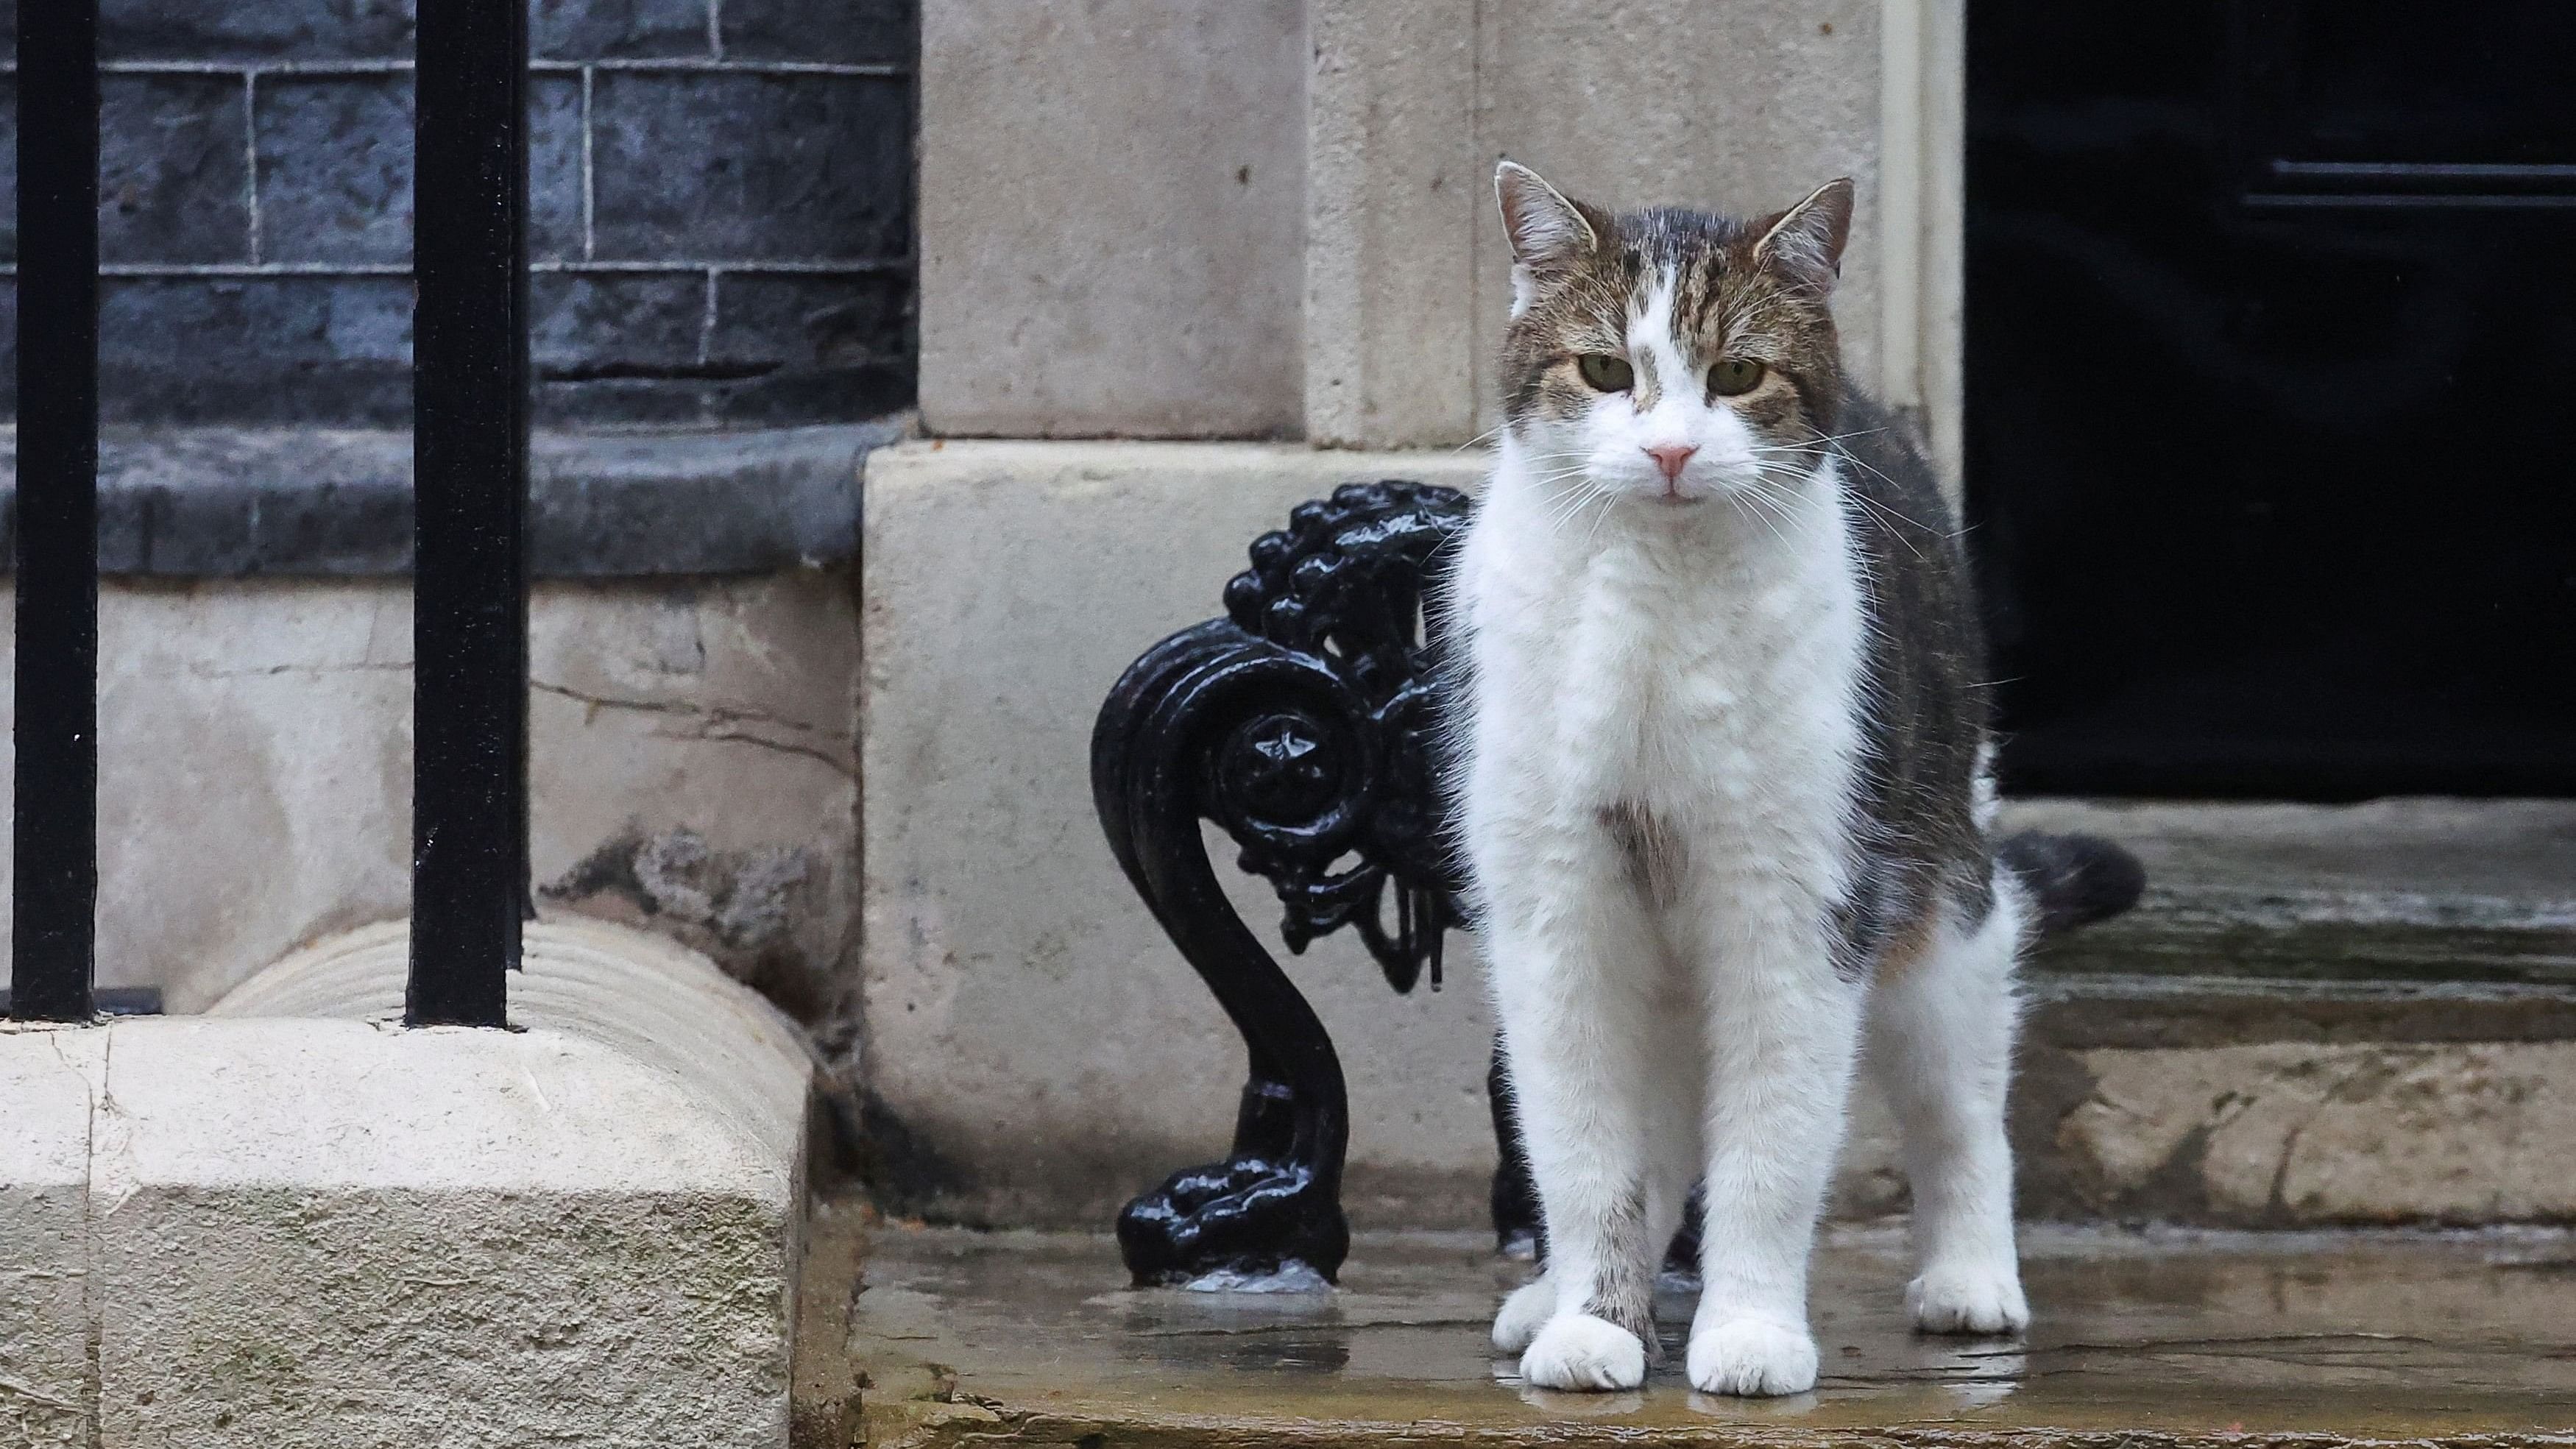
[[1806, 241]]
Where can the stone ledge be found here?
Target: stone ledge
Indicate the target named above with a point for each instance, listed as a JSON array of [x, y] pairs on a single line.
[[280, 1231], [240, 502]]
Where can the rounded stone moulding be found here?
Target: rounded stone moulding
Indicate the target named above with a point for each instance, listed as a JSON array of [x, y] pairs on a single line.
[[650, 999]]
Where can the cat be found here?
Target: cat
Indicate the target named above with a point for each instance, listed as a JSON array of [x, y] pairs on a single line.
[[1724, 795]]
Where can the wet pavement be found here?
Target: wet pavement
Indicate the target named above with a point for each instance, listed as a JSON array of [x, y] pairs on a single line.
[[2146, 1338]]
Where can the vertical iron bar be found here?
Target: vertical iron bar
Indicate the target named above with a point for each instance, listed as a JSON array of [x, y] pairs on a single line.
[[54, 847], [470, 588]]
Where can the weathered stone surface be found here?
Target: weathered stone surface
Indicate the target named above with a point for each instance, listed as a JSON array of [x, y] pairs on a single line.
[[749, 167], [172, 170], [335, 175], [275, 349], [2291, 1134], [557, 227], [1397, 188], [692, 763], [801, 320], [1067, 291], [222, 502], [50, 1079], [249, 1230], [586, 324], [747, 148], [267, 30], [846, 31], [617, 29]]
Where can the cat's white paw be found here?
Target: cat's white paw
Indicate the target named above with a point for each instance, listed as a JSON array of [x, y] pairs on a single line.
[[1753, 1358], [1968, 1300], [1579, 1351], [1524, 1314]]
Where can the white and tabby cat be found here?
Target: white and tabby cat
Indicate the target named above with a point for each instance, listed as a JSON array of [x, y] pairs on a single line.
[[1723, 798]]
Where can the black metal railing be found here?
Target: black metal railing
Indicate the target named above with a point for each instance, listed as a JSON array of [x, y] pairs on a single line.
[[470, 695], [54, 840]]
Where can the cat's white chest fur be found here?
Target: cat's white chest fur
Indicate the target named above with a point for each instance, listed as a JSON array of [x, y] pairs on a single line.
[[1700, 666]]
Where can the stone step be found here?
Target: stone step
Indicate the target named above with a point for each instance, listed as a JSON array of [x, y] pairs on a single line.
[[2150, 1338]]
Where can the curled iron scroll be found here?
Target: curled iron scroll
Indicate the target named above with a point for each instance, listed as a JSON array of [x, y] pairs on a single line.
[[1303, 724]]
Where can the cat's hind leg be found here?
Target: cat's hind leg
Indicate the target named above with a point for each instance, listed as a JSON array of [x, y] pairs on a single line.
[[1941, 1033]]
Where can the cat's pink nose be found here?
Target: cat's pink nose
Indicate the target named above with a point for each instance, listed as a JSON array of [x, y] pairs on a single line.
[[1670, 457]]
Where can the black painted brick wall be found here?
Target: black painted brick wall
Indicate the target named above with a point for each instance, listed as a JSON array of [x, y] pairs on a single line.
[[720, 191]]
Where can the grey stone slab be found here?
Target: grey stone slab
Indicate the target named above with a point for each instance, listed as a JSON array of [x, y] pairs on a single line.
[[807, 320], [256, 349], [335, 173], [617, 323], [727, 166], [554, 168], [230, 502], [849, 31], [254, 29], [617, 29], [173, 169], [773, 400]]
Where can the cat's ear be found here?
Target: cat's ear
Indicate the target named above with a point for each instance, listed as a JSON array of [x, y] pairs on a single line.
[[1548, 232], [1806, 241]]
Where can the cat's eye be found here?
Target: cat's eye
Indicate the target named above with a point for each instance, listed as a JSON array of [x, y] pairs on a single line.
[[1735, 376], [1606, 373]]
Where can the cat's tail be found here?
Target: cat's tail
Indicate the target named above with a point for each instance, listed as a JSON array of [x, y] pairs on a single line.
[[2073, 880]]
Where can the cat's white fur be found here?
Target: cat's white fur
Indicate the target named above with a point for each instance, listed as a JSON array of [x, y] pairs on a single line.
[[1675, 649]]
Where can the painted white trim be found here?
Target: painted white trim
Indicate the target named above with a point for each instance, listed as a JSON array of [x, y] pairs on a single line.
[[1922, 119]]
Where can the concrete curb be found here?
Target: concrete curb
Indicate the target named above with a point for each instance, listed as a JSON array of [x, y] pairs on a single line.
[[262, 1228]]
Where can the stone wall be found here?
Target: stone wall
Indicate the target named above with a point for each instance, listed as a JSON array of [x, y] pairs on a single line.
[[720, 210], [1291, 234]]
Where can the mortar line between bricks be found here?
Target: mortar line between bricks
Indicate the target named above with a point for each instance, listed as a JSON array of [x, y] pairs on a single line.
[[715, 28], [250, 144]]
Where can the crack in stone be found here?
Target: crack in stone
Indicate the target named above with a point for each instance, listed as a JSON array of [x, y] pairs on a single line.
[[717, 723]]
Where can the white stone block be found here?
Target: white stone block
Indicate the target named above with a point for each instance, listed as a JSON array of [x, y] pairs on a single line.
[[332, 1233], [313, 1227], [49, 1085]]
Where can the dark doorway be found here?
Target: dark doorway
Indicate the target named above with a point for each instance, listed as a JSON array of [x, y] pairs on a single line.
[[2271, 351]]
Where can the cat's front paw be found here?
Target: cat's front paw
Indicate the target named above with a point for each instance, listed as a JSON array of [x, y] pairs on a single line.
[[1523, 1315], [1579, 1351], [1981, 1301], [1753, 1358]]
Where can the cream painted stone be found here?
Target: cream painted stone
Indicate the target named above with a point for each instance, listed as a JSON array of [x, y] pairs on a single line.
[[693, 764], [2290, 1133], [330, 1233], [264, 1227], [1111, 217], [657, 1002], [1044, 1048], [50, 1080], [1397, 188]]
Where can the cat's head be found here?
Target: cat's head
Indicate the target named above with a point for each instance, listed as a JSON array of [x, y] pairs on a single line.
[[1671, 356]]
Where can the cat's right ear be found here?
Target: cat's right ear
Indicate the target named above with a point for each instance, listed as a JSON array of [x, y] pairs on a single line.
[[1548, 232]]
